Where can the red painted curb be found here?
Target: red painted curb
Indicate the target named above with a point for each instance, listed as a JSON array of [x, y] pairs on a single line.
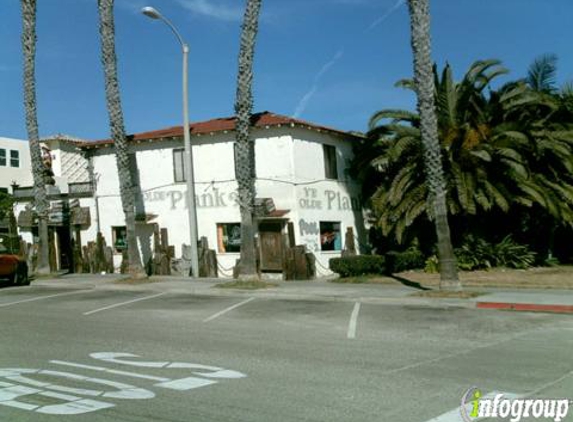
[[531, 307]]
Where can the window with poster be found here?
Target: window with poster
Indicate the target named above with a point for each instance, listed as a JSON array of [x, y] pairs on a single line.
[[330, 239], [229, 237], [119, 238]]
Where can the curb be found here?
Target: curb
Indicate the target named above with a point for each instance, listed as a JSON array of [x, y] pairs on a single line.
[[525, 307]]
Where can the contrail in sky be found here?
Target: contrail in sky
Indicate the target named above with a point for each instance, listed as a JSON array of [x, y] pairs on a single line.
[[385, 16], [301, 106], [306, 98]]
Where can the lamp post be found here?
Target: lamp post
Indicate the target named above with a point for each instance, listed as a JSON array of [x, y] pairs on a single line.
[[189, 177]]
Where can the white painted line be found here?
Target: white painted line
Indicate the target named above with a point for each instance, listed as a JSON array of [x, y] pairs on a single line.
[[353, 321], [230, 308], [105, 308], [45, 297], [110, 371]]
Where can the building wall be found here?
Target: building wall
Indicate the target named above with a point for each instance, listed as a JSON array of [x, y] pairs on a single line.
[[289, 166], [22, 175]]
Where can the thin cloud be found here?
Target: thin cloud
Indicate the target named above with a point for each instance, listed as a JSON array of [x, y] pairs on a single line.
[[212, 9], [386, 15], [301, 107], [302, 104]]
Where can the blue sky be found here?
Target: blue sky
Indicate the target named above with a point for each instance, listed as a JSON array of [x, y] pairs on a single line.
[[332, 62]]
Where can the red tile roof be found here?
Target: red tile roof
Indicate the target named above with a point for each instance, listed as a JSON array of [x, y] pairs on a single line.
[[259, 120]]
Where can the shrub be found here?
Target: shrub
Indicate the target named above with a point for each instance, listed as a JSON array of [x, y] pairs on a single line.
[[410, 259], [510, 254], [353, 266], [432, 265], [477, 254]]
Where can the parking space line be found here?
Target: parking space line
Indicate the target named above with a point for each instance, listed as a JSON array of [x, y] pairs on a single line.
[[109, 371], [105, 308], [230, 308], [353, 321], [45, 297]]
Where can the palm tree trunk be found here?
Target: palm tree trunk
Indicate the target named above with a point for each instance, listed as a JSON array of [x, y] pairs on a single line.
[[244, 150], [41, 200], [109, 61], [424, 81]]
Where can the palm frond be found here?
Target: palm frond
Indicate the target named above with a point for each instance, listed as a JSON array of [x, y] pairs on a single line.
[[542, 73]]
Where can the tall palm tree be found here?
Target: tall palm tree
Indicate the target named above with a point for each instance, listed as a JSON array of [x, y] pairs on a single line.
[[41, 200], [424, 82], [481, 151], [244, 147], [109, 61]]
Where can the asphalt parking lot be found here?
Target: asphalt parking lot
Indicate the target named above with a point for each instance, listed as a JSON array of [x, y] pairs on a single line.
[[123, 355]]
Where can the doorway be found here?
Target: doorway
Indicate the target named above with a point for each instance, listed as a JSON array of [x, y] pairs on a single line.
[[271, 246]]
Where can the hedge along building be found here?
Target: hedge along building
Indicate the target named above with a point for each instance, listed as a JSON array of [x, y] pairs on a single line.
[[302, 189]]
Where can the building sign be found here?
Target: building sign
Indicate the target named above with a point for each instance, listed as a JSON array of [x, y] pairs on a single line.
[[328, 199], [312, 199], [177, 199]]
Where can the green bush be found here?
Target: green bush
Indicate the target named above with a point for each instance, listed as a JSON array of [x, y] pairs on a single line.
[[476, 254], [359, 265], [432, 265], [510, 254], [410, 259]]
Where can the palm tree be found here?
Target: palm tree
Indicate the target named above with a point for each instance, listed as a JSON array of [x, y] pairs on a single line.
[[109, 61], [41, 200], [478, 158], [509, 150], [424, 82], [245, 148]]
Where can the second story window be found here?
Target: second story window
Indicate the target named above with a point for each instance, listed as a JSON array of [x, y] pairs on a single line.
[[2, 157], [330, 166], [14, 158], [179, 165]]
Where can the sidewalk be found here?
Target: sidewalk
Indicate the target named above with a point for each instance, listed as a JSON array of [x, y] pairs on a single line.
[[539, 300]]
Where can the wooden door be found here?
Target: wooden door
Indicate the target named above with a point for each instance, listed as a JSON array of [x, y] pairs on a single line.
[[271, 244]]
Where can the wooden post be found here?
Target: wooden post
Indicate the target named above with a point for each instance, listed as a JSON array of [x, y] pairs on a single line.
[[291, 238], [349, 244]]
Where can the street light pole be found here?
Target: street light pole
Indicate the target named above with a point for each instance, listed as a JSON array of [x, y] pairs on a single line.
[[189, 176]]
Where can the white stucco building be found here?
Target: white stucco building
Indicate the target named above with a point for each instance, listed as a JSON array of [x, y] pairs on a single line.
[[15, 166], [301, 182]]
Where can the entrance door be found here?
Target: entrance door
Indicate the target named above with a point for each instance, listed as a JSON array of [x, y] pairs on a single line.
[[271, 244], [64, 248]]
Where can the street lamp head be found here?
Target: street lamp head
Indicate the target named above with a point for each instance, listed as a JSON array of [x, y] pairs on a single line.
[[151, 12]]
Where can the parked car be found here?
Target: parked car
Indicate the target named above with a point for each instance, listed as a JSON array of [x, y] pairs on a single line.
[[12, 267]]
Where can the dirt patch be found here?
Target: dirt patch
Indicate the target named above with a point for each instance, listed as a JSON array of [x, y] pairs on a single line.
[[369, 279], [245, 285], [135, 281], [448, 294], [560, 277]]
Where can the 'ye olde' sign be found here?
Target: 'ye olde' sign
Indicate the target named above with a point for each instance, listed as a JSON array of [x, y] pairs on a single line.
[[327, 199]]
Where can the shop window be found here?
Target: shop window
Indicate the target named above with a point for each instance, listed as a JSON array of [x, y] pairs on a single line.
[[229, 237], [330, 239], [330, 166], [14, 158], [2, 157], [179, 165], [119, 238]]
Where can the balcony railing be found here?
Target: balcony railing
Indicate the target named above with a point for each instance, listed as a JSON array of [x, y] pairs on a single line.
[[23, 193], [82, 189], [75, 190]]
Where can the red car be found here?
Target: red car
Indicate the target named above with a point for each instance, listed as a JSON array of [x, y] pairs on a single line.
[[12, 267]]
